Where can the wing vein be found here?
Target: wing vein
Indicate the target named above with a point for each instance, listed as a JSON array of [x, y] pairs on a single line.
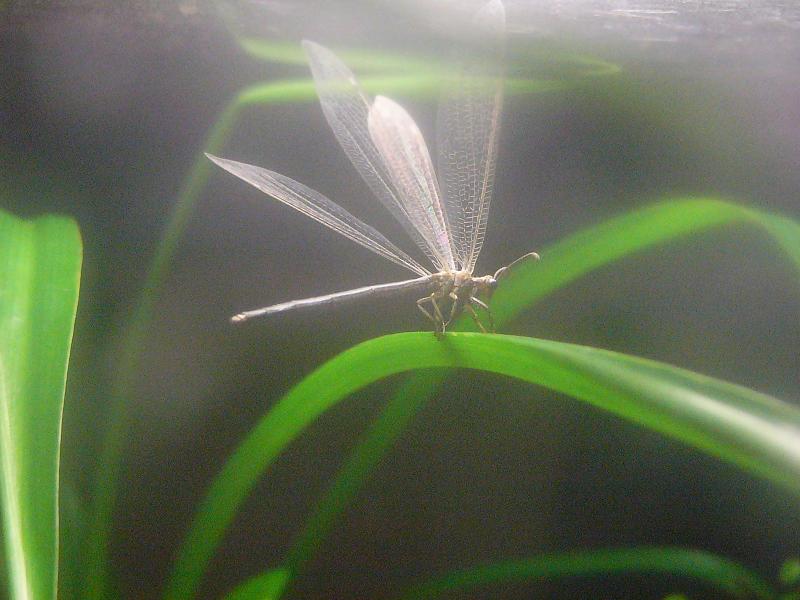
[[468, 127], [346, 108], [320, 208]]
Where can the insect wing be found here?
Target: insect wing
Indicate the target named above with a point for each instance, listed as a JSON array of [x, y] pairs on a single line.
[[467, 128], [346, 108], [313, 204], [407, 159]]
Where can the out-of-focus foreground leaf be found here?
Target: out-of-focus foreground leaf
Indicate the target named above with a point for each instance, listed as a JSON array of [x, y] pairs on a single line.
[[40, 265]]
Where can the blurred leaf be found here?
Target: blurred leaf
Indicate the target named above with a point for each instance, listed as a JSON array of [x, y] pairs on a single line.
[[714, 571], [790, 572], [562, 66], [594, 247], [266, 586], [425, 85], [358, 60], [40, 264]]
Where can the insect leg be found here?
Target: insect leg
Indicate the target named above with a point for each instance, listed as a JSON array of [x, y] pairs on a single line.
[[437, 311], [475, 318], [424, 311], [454, 308], [437, 320], [485, 307]]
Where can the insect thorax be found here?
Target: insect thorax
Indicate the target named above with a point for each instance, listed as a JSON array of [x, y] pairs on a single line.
[[460, 282]]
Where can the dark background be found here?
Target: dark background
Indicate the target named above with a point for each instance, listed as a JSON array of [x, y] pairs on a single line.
[[103, 110]]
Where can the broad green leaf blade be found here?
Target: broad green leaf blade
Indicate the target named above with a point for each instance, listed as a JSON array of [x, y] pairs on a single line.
[[265, 586], [40, 263], [717, 572], [750, 429]]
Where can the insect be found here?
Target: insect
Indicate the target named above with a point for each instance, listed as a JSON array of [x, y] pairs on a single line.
[[446, 217]]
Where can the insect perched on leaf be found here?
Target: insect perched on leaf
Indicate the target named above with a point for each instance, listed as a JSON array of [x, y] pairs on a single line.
[[445, 217]]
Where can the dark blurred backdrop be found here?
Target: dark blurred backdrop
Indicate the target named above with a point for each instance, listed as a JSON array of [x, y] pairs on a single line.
[[104, 108]]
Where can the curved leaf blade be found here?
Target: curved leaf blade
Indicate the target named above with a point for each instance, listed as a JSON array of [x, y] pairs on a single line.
[[695, 409], [594, 247], [95, 573], [265, 586], [40, 264], [562, 263], [715, 571]]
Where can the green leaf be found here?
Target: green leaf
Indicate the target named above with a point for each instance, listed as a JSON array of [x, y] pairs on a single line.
[[561, 264], [40, 264], [96, 576], [622, 236], [265, 586], [717, 572], [566, 66], [750, 429], [790, 572], [360, 60]]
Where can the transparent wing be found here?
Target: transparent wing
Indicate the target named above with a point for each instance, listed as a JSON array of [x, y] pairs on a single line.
[[408, 161], [346, 108], [467, 127], [321, 209]]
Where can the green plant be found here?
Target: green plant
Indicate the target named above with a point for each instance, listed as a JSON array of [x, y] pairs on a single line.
[[40, 265], [697, 410], [406, 78], [563, 263]]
